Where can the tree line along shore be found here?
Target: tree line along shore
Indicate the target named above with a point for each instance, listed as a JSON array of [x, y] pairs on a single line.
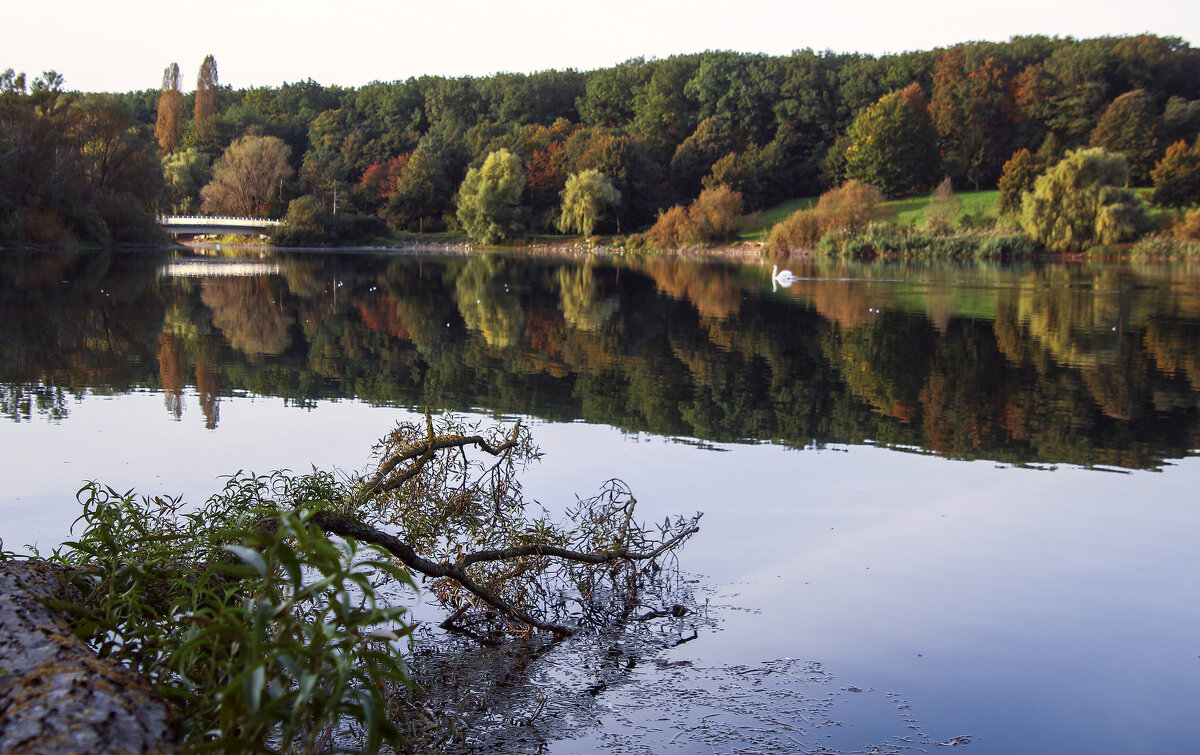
[[1077, 144]]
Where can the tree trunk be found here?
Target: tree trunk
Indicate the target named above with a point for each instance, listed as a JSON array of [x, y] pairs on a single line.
[[56, 696]]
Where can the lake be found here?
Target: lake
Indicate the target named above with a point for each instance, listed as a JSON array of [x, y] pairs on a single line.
[[945, 506]]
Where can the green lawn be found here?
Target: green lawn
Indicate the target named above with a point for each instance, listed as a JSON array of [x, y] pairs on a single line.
[[911, 210], [907, 211], [759, 223]]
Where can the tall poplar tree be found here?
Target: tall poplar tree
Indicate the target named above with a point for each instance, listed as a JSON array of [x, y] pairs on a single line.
[[170, 111], [206, 90]]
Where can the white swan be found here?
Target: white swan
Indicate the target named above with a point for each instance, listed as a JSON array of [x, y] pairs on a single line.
[[781, 277]]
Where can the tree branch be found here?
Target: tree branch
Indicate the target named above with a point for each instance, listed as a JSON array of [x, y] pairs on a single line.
[[424, 449], [339, 525]]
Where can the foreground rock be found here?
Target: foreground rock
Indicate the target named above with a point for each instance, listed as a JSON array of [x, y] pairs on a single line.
[[56, 696]]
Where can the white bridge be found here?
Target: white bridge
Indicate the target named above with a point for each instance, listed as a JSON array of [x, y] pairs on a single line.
[[201, 225]]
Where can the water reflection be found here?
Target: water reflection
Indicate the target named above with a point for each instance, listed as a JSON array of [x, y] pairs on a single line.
[[1036, 365]]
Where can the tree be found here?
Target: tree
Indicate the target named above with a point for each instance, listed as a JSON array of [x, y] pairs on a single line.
[[247, 177], [716, 213], [1129, 126], [1177, 176], [424, 190], [1016, 178], [892, 143], [694, 157], [584, 199], [973, 114], [489, 199], [169, 123], [261, 615], [1078, 203], [206, 91], [185, 172]]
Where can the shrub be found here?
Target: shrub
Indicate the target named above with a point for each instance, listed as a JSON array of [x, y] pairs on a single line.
[[892, 242], [672, 230], [1189, 226], [851, 205], [714, 216], [307, 224], [942, 209], [716, 213]]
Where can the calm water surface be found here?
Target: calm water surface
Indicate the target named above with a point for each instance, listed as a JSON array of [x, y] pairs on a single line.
[[939, 503]]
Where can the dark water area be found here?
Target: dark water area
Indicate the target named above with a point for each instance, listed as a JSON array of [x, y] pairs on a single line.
[[941, 503]]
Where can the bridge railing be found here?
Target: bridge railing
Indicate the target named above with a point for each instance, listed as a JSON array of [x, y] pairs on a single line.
[[215, 220]]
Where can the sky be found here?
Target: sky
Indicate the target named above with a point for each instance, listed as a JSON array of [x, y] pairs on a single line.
[[124, 45]]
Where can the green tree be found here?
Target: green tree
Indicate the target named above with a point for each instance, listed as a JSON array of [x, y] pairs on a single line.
[[489, 199], [893, 143], [206, 91], [1177, 176], [695, 156], [584, 199], [247, 177], [608, 98], [1129, 126], [169, 121], [424, 189], [663, 114], [1079, 203]]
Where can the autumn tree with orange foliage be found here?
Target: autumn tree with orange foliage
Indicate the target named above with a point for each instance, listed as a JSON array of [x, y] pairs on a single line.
[[169, 124], [206, 91]]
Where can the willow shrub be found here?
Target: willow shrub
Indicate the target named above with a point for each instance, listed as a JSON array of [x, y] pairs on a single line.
[[264, 637]]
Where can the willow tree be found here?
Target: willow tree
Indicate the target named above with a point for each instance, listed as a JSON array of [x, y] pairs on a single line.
[[1081, 203], [489, 200], [584, 199], [206, 90], [170, 111]]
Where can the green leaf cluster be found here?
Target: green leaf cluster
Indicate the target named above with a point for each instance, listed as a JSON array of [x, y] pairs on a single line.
[[265, 633]]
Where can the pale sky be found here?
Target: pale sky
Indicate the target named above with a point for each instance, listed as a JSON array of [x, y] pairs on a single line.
[[124, 45]]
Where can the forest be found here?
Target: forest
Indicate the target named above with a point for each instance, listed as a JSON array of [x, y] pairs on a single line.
[[611, 150]]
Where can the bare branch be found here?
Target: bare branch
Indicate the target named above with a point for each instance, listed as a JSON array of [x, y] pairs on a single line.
[[346, 527]]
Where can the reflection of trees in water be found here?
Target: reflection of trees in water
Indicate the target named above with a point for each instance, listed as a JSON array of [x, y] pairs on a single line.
[[487, 303], [713, 290], [207, 387], [249, 313], [21, 401], [1029, 369], [170, 372], [583, 305]]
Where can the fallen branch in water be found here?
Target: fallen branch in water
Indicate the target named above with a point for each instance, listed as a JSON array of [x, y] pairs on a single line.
[[346, 527]]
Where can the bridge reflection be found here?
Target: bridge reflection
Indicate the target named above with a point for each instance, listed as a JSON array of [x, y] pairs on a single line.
[[217, 268]]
